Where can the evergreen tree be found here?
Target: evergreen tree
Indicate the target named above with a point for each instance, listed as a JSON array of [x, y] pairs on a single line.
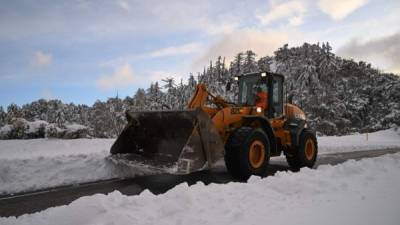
[[13, 112], [338, 95], [2, 116], [170, 98], [249, 62], [154, 97], [140, 99]]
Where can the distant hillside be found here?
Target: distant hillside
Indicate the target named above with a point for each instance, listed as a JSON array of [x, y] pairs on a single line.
[[339, 96]]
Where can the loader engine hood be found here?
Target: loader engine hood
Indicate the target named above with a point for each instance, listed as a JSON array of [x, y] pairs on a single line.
[[294, 112]]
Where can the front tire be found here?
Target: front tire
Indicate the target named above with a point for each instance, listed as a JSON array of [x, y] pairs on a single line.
[[306, 153], [247, 152]]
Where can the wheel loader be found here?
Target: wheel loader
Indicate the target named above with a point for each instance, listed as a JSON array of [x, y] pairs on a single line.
[[245, 133]]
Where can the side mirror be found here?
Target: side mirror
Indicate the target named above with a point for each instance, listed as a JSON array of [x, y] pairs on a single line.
[[228, 86]]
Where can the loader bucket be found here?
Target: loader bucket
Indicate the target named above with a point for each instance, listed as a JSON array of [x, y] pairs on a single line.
[[186, 141]]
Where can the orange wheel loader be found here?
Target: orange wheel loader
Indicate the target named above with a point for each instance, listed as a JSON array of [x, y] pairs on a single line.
[[245, 134]]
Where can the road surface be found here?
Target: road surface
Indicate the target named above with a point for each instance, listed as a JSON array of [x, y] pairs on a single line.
[[19, 204]]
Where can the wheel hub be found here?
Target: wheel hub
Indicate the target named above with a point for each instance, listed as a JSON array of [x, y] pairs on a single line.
[[310, 149], [257, 154]]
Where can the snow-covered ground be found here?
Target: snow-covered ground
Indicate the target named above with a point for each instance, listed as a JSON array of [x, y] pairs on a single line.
[[378, 140], [355, 192], [27, 165]]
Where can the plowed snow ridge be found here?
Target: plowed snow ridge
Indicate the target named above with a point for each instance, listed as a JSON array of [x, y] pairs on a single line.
[[27, 165], [355, 192]]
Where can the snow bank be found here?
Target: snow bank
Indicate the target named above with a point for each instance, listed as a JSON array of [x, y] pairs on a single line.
[[355, 192], [27, 165], [31, 148], [23, 129], [378, 140]]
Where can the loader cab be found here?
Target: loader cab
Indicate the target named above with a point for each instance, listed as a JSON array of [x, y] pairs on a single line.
[[270, 83]]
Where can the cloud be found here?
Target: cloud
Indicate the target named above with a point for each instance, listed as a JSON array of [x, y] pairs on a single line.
[[47, 94], [383, 52], [292, 11], [124, 5], [261, 42], [340, 9], [220, 28], [175, 50], [122, 77], [42, 59]]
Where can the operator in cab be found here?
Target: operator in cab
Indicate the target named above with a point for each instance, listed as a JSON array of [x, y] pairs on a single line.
[[261, 98]]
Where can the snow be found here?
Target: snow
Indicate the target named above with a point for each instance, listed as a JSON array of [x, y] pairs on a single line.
[[31, 148], [4, 130], [355, 192], [74, 127], [36, 125], [27, 165], [384, 139]]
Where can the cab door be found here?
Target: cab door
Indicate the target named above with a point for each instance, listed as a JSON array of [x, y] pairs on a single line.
[[275, 92]]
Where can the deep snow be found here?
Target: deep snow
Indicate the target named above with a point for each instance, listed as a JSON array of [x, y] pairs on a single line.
[[355, 192], [27, 165], [378, 140]]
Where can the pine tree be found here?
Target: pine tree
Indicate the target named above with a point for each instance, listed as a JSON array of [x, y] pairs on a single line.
[[338, 95], [154, 97], [140, 99], [170, 98], [249, 62], [13, 112], [2, 116]]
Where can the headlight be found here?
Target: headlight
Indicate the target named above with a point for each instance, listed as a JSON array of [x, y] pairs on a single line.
[[263, 74], [258, 109], [236, 78]]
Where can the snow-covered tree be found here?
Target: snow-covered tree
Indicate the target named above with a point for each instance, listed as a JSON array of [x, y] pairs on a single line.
[[170, 97], [13, 112], [338, 95], [249, 62], [140, 99], [3, 116]]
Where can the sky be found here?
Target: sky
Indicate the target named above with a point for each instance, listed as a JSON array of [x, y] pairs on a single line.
[[80, 51]]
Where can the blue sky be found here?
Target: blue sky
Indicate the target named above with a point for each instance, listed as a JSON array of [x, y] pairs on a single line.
[[79, 51]]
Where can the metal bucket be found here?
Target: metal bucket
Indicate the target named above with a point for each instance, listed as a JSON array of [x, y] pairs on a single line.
[[184, 140]]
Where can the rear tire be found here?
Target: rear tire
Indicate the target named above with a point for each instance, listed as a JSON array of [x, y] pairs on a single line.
[[306, 153], [247, 153]]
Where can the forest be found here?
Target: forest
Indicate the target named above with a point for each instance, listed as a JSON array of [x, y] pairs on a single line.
[[339, 96]]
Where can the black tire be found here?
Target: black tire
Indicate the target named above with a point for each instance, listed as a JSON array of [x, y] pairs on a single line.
[[237, 153], [299, 157]]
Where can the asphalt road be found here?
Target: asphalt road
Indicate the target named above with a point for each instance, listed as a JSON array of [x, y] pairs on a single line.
[[30, 202]]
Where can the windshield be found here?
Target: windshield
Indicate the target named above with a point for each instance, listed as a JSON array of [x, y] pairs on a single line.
[[248, 88]]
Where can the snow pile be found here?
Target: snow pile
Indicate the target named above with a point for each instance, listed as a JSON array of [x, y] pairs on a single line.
[[34, 148], [355, 192], [36, 125], [22, 129], [74, 130], [27, 165], [4, 130], [378, 140]]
